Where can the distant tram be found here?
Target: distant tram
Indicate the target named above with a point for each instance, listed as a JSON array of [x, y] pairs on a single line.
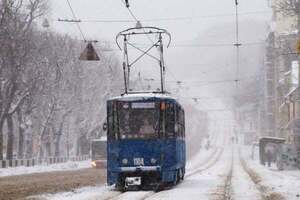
[[98, 152], [145, 141]]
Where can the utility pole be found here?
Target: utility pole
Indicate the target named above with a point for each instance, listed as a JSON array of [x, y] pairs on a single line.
[[237, 45]]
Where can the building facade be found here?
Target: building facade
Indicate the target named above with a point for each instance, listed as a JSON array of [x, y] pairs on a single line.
[[281, 70]]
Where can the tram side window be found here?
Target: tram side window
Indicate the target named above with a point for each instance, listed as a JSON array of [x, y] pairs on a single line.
[[170, 120], [177, 124], [180, 122], [112, 120]]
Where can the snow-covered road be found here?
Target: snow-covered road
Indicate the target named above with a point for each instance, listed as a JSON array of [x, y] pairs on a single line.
[[22, 170], [206, 173], [221, 173]]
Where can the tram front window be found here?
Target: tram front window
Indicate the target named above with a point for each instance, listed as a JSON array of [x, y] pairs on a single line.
[[138, 122]]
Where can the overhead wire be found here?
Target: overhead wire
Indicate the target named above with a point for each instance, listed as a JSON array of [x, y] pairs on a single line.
[[216, 45], [136, 20], [61, 7], [248, 44], [171, 18], [77, 23]]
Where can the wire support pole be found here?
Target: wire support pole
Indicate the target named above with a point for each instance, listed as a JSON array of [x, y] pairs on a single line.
[[237, 44]]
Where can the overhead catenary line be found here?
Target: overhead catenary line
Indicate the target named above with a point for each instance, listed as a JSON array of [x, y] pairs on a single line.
[[75, 18], [135, 18], [216, 45], [202, 45], [170, 18]]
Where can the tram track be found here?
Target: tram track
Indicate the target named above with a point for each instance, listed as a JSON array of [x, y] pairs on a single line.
[[227, 195], [213, 159], [210, 162], [224, 191], [266, 192]]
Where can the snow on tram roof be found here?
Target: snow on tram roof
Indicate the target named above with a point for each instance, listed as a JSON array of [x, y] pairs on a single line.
[[142, 96]]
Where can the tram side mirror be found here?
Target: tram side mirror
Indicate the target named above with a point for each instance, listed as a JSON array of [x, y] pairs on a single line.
[[104, 127]]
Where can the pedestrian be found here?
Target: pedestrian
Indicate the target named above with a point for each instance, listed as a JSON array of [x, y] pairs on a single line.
[[269, 151], [269, 157]]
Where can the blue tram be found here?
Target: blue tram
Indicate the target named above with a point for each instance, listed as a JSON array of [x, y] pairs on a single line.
[[146, 141]]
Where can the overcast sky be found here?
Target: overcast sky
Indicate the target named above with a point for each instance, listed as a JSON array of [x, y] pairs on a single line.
[[182, 30], [211, 21]]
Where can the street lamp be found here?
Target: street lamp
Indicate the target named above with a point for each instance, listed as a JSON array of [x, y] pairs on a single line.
[[45, 23], [89, 53]]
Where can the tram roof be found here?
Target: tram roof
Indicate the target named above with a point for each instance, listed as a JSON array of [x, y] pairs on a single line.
[[142, 96]]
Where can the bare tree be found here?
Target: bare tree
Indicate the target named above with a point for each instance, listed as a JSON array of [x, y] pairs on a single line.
[[16, 22], [47, 95]]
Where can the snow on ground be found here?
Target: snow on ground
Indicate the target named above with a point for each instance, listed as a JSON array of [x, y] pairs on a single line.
[[285, 182], [199, 159], [200, 186], [242, 186], [13, 171], [203, 155]]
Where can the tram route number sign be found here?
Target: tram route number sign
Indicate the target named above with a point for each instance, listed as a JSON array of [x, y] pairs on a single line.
[[138, 161]]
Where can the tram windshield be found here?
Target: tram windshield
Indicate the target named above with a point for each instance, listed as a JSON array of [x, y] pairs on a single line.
[[138, 120]]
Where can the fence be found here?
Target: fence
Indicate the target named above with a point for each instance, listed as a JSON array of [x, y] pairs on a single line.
[[33, 162]]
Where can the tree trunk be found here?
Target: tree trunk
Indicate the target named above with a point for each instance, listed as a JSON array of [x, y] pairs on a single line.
[[44, 130], [1, 138], [57, 145], [59, 133], [78, 147], [10, 138], [21, 136]]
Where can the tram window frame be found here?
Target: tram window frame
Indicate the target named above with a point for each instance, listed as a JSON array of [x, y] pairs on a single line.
[[180, 122], [177, 130], [110, 121], [170, 120], [156, 113]]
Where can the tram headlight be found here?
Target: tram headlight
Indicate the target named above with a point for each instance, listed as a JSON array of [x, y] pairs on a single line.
[[153, 160], [125, 161]]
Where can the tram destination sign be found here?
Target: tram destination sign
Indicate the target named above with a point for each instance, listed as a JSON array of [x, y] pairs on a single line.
[[140, 105]]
